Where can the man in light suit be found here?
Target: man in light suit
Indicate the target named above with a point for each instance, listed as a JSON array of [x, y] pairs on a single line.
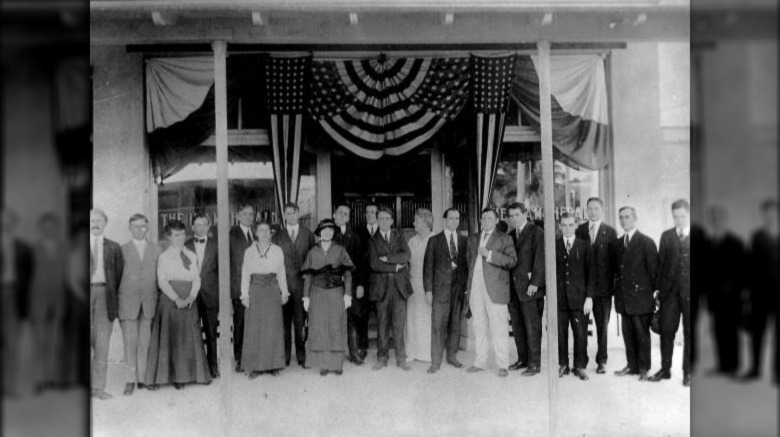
[[601, 237], [295, 241], [205, 247], [491, 255], [636, 275], [445, 269], [389, 287], [526, 303], [241, 237], [138, 299], [106, 267]]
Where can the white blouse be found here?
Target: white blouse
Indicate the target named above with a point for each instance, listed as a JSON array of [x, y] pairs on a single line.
[[273, 262], [171, 268]]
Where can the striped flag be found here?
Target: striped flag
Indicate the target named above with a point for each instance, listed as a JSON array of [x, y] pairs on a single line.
[[285, 88], [491, 84]]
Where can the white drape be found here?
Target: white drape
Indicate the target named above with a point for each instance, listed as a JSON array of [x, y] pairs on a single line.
[[175, 88], [578, 84]]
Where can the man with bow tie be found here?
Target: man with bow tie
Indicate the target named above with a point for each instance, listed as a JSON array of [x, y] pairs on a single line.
[[241, 238], [295, 241], [204, 246], [491, 255], [674, 290]]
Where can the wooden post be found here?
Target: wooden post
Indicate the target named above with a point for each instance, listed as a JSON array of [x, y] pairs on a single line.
[[324, 201], [223, 228], [438, 204], [549, 231]]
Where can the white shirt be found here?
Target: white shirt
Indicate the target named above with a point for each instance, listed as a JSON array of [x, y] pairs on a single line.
[[483, 241], [140, 246], [630, 235], [520, 229], [371, 229], [568, 242], [293, 231], [343, 229], [246, 229], [100, 270], [170, 267], [200, 249], [686, 231], [254, 262], [595, 226], [451, 236], [385, 235]]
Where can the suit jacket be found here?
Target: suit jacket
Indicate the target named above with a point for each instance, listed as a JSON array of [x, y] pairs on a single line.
[[495, 272], [114, 266], [238, 245], [636, 275], [575, 282], [603, 257], [670, 278], [23, 260], [352, 241], [763, 271], [209, 272], [439, 277], [530, 259], [294, 254], [138, 287], [383, 275], [363, 264]]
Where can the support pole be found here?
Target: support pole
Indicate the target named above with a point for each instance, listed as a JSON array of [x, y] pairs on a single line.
[[549, 231], [223, 228]]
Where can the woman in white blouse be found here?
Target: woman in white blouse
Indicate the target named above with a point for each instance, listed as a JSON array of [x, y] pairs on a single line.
[[176, 353], [417, 335], [263, 292]]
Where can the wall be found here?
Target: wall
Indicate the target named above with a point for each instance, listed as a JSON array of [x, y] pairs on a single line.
[[120, 163]]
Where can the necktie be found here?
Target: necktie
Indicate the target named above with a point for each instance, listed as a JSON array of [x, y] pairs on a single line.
[[453, 248], [625, 242], [93, 258], [484, 239], [292, 234], [568, 246], [387, 238], [249, 237], [592, 233], [680, 234], [185, 260]]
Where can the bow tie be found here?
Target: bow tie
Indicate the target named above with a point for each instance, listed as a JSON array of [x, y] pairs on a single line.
[[200, 240]]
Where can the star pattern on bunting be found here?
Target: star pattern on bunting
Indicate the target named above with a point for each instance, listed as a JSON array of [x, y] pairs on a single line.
[[492, 79], [285, 84]]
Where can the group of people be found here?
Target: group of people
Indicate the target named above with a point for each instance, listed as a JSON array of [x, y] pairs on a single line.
[[288, 287]]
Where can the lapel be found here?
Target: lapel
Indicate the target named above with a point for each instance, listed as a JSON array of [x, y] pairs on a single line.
[[147, 251], [524, 232], [631, 243], [107, 258], [210, 247], [492, 239], [560, 247]]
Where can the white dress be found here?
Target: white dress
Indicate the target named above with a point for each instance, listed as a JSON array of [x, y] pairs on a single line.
[[418, 313]]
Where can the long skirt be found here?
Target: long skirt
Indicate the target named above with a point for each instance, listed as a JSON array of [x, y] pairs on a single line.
[[176, 353], [263, 326], [327, 343]]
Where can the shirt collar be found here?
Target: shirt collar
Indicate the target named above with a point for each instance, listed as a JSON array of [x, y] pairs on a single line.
[[631, 233], [295, 226], [196, 238], [93, 238], [597, 224], [245, 228], [448, 233], [520, 229], [686, 230], [343, 229], [568, 240]]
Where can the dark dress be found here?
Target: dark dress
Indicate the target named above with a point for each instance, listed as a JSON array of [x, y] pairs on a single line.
[[176, 353], [327, 278], [263, 278]]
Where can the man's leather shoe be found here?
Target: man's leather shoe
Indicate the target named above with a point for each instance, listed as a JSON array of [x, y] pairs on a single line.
[[101, 394], [601, 369], [473, 369], [433, 369], [178, 386], [129, 388], [324, 372], [661, 374], [142, 386], [254, 374], [750, 376], [563, 371], [531, 371], [503, 373], [363, 354], [337, 372], [239, 369], [580, 373], [626, 371], [404, 366], [302, 363], [687, 380], [152, 387], [356, 360], [379, 365], [518, 365], [214, 373], [643, 375], [455, 363]]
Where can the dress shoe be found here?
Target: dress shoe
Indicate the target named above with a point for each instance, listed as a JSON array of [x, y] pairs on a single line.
[[302, 363], [337, 372], [503, 373], [563, 371], [750, 376], [142, 386], [239, 369], [455, 363], [433, 369], [518, 365], [254, 374], [473, 369], [580, 373], [531, 371], [215, 373], [601, 369], [379, 365], [208, 382], [626, 371], [405, 366], [687, 380], [129, 388], [178, 386], [363, 354], [101, 394], [356, 360], [274, 372], [152, 387], [643, 375], [661, 374], [324, 372]]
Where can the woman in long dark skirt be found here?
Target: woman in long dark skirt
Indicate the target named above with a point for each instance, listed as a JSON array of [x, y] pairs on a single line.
[[176, 353], [327, 292], [263, 292]]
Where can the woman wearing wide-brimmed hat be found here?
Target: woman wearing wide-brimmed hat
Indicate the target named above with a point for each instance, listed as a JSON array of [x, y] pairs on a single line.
[[327, 291]]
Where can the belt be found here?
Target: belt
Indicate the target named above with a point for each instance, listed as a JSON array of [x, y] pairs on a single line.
[[97, 284]]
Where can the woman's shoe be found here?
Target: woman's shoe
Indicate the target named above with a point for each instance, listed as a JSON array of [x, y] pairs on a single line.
[[178, 386], [338, 372], [323, 372], [274, 372], [254, 374]]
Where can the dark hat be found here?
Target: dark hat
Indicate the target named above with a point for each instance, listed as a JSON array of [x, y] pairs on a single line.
[[325, 223]]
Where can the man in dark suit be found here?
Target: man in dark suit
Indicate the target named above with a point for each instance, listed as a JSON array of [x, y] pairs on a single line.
[[205, 247], [674, 290], [357, 313], [365, 307], [445, 269], [295, 241], [138, 299], [17, 278], [106, 266], [389, 286], [636, 276], [241, 237], [601, 237], [491, 255], [526, 304], [573, 259]]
